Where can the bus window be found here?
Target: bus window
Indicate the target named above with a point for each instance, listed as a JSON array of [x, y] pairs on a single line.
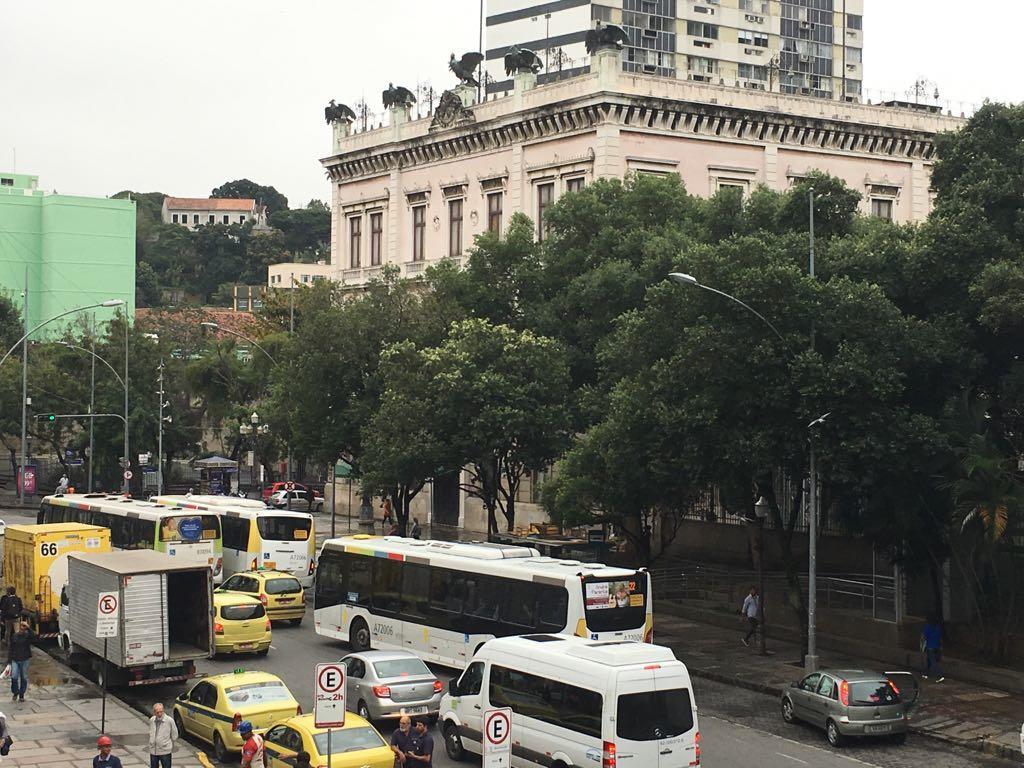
[[387, 585], [236, 532], [517, 607], [328, 578], [359, 580], [552, 608], [282, 528], [415, 584], [613, 605]]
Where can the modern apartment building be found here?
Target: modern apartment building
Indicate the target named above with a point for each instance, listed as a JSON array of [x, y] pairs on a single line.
[[77, 251], [804, 47]]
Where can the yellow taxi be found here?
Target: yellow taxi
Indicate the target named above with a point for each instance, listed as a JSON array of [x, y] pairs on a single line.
[[280, 592], [240, 624], [214, 708], [357, 745]]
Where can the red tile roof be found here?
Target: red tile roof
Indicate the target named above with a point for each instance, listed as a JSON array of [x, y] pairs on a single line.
[[209, 204]]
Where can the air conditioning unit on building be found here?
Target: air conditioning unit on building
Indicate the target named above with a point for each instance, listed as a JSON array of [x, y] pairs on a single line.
[[753, 85], [753, 51], [805, 57], [650, 33], [754, 19], [806, 91], [806, 25], [650, 68]]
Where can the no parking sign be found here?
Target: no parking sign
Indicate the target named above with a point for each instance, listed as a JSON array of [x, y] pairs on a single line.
[[329, 704]]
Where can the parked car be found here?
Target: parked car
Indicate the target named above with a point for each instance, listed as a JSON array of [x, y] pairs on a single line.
[[270, 490], [357, 744], [382, 685], [851, 703], [300, 500]]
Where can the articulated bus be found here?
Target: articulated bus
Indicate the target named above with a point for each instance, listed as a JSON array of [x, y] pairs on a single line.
[[138, 524], [442, 600], [257, 536]]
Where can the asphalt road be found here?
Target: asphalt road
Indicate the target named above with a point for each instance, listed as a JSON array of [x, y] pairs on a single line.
[[738, 727]]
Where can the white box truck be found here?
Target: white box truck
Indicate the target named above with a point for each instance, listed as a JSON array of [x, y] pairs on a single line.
[[165, 617]]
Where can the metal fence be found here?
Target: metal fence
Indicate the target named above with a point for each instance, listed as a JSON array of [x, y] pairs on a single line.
[[866, 594]]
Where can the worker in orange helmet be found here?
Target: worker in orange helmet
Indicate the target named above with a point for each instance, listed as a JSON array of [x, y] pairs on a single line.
[[104, 759]]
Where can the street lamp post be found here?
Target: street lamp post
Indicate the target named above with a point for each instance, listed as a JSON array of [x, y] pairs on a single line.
[[24, 373], [255, 429], [218, 327], [761, 508], [811, 660], [92, 394]]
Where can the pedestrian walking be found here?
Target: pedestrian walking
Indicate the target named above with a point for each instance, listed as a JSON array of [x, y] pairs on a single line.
[[423, 745], [11, 608], [302, 760], [252, 747], [931, 648], [62, 486], [162, 735], [750, 610], [402, 739], [19, 654], [105, 759], [387, 519], [416, 531]]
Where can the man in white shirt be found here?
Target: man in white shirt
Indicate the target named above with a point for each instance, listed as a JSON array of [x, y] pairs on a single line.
[[750, 610]]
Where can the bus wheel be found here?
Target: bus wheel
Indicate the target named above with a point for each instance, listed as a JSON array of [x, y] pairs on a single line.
[[296, 622], [359, 636], [453, 743]]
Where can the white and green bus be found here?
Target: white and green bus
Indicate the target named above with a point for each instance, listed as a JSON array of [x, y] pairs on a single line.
[[257, 536], [443, 600], [134, 524]]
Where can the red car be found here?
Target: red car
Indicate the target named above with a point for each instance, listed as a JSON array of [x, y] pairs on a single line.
[[270, 490]]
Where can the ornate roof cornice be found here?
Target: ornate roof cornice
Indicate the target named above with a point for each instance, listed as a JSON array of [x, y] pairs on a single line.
[[629, 112]]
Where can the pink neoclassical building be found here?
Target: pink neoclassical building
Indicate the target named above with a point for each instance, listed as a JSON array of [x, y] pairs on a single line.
[[413, 192]]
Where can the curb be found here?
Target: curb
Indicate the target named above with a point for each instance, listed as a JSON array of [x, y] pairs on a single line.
[[982, 745]]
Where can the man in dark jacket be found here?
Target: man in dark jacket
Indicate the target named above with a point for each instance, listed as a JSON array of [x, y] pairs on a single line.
[[11, 610], [19, 653]]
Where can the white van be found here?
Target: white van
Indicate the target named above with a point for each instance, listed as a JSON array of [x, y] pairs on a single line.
[[577, 702]]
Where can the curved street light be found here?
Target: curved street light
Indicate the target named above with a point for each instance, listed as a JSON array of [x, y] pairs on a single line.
[[684, 279], [273, 360], [218, 327], [24, 373], [811, 660], [69, 345]]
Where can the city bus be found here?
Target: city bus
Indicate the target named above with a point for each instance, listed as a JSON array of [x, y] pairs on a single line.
[[257, 536], [442, 600], [136, 524]]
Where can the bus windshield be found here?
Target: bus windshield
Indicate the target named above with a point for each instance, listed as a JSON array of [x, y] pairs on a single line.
[[284, 528], [616, 604], [189, 529]]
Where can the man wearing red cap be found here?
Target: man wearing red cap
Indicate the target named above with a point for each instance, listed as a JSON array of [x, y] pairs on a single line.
[[104, 759]]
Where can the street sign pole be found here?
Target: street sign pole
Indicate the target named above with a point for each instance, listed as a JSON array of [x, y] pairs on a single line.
[[329, 761], [108, 612], [103, 707], [498, 738]]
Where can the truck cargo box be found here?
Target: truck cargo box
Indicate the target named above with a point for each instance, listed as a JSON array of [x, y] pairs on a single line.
[[166, 616]]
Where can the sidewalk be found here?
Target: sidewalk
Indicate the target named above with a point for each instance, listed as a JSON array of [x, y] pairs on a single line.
[[59, 722], [969, 716]]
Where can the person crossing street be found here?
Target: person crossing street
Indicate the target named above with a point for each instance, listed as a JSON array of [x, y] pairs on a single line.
[[252, 748]]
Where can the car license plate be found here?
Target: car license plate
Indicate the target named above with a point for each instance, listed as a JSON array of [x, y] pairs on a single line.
[[245, 646], [878, 729], [166, 665], [414, 710]]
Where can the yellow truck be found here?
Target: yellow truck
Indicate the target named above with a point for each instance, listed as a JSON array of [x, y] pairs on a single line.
[[36, 565]]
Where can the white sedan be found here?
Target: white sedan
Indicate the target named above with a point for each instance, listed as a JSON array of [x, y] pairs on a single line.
[[300, 500]]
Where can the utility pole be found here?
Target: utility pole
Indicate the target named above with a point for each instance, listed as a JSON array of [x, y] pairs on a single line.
[[160, 433], [127, 456], [24, 393], [811, 661], [291, 332], [92, 399]]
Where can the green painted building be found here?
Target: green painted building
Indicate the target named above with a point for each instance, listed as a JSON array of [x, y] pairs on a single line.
[[78, 250]]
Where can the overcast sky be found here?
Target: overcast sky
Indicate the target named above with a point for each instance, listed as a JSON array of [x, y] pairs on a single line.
[[105, 95]]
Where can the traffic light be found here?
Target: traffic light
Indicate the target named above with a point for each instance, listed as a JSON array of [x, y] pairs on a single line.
[[51, 417]]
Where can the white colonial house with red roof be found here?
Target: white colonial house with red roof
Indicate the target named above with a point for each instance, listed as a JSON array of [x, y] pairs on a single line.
[[193, 212]]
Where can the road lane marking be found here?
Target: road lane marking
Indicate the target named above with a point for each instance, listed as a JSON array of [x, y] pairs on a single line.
[[790, 757]]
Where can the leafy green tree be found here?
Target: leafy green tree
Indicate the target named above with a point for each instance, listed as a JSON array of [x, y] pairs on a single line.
[[306, 232], [502, 397], [147, 286], [244, 189]]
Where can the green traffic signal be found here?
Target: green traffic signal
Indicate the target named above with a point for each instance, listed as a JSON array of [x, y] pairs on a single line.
[[52, 417]]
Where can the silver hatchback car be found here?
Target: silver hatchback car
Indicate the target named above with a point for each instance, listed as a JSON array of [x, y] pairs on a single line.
[[382, 685], [851, 702]]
